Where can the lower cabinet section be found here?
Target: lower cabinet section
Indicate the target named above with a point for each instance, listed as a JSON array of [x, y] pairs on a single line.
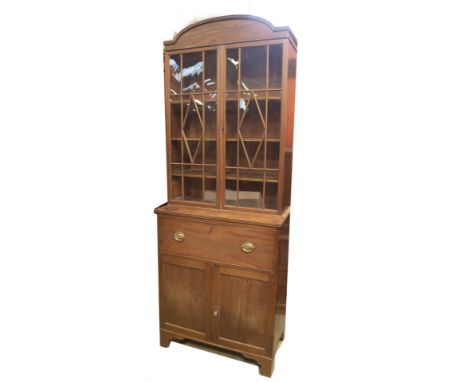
[[228, 307]]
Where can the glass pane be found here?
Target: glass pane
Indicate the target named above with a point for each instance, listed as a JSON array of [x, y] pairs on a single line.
[[231, 119], [174, 64], [231, 173], [175, 120], [254, 175], [210, 190], [251, 154], [193, 188], [232, 68], [210, 119], [250, 194], [210, 70], [231, 153], [192, 72], [275, 64], [274, 119], [272, 155], [210, 171], [193, 117], [252, 119], [271, 194], [176, 182], [253, 68], [176, 187], [192, 150], [231, 192], [210, 152], [193, 130], [176, 151]]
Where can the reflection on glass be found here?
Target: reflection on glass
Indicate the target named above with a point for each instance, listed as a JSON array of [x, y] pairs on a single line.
[[210, 70], [232, 68], [174, 65], [253, 68], [192, 72], [275, 63]]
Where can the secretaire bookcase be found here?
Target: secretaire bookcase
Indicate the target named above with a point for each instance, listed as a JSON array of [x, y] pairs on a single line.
[[223, 234]]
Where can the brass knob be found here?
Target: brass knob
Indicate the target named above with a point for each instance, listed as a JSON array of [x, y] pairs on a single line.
[[215, 313], [248, 246], [179, 236]]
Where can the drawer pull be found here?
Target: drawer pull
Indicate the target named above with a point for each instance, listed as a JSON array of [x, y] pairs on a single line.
[[179, 236], [248, 246]]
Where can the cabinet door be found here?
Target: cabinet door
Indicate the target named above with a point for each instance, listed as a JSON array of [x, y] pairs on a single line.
[[242, 301], [253, 110], [185, 293], [192, 125]]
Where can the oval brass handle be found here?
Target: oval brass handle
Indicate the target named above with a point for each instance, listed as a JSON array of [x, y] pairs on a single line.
[[248, 246], [215, 313], [179, 236]]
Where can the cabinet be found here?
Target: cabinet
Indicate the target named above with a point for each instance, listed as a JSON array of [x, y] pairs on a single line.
[[223, 234]]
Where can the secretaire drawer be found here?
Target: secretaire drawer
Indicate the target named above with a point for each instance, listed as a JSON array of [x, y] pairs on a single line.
[[237, 245]]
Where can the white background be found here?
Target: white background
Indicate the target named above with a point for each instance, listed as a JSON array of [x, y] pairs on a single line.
[[378, 257]]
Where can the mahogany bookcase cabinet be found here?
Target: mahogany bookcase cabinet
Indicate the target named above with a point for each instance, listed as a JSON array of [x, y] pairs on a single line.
[[223, 234]]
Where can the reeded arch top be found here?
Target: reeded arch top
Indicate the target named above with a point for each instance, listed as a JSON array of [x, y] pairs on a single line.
[[228, 29]]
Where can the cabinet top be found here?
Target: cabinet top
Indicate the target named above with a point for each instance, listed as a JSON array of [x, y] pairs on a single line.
[[226, 30]]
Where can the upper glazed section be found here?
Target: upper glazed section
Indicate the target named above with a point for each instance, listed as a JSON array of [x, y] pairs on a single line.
[[226, 30]]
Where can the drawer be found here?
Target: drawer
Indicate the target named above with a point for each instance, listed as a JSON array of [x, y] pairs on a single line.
[[218, 242]]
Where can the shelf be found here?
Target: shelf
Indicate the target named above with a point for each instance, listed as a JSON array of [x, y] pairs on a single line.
[[230, 139], [231, 174], [269, 140], [207, 139]]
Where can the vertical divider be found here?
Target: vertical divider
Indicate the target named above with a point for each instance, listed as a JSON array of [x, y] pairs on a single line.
[[284, 87], [203, 125], [239, 52], [220, 124], [182, 109], [167, 109], [215, 303], [267, 94]]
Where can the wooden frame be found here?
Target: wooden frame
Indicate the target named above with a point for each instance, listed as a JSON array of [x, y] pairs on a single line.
[[266, 35]]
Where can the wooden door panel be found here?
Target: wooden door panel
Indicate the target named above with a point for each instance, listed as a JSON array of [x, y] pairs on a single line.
[[185, 294], [243, 304]]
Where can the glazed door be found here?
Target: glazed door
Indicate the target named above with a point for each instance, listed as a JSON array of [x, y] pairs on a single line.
[[192, 85], [240, 309], [253, 109], [185, 292]]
